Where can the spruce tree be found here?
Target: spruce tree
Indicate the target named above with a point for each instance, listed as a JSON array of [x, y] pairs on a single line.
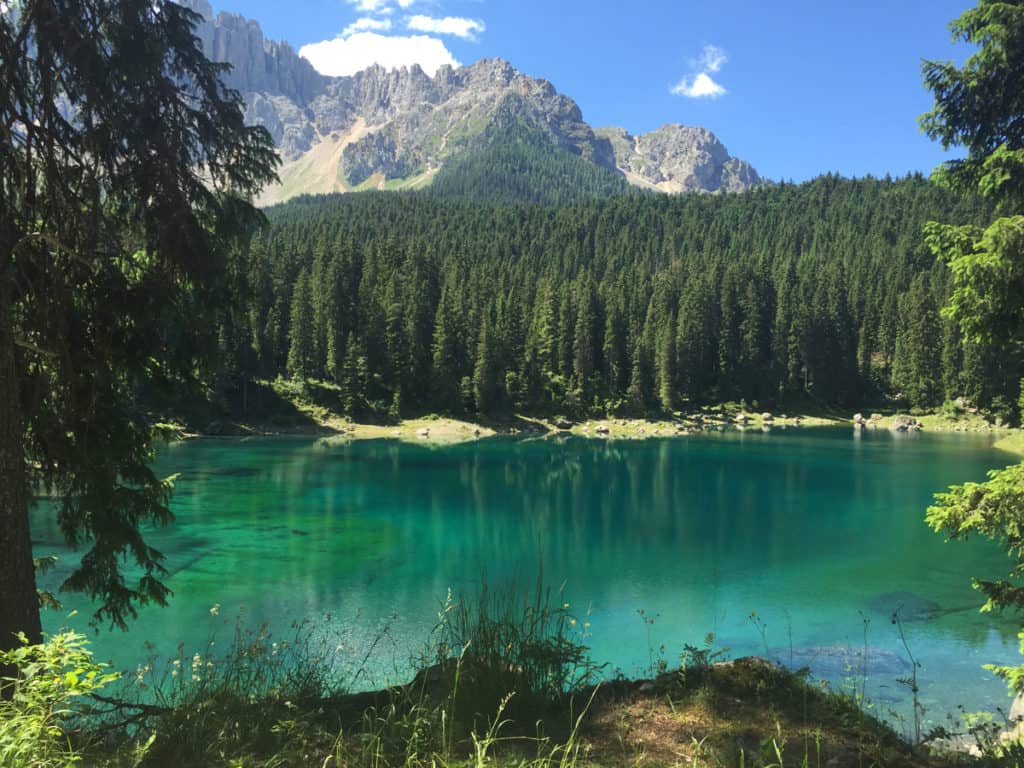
[[125, 169], [301, 349]]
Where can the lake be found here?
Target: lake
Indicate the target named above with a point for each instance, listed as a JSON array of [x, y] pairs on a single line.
[[818, 533]]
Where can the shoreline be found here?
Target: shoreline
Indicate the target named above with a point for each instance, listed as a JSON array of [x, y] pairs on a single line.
[[446, 430]]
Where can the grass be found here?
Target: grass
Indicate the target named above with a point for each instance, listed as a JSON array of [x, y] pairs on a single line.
[[1012, 443], [506, 681], [317, 407]]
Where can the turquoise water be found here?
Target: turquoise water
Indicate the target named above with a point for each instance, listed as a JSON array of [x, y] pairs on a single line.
[[818, 531]]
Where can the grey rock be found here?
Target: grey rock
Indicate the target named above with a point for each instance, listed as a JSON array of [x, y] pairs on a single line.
[[679, 158], [904, 423], [340, 133]]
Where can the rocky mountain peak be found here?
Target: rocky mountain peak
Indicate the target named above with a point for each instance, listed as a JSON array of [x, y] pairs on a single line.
[[400, 125], [679, 158]]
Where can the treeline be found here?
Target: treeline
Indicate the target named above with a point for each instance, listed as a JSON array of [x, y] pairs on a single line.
[[515, 165], [626, 305]]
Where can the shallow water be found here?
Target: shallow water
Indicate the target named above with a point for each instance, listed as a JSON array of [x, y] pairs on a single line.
[[818, 532]]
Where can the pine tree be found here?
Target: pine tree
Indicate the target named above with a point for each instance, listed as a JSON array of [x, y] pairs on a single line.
[[445, 358], [124, 170], [917, 365], [486, 385], [301, 346]]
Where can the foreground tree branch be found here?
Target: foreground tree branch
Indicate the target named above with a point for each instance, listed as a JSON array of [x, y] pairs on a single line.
[[125, 175]]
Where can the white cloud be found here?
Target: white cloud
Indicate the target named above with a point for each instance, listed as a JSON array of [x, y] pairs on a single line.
[[372, 6], [711, 59], [699, 87], [467, 29], [699, 84], [380, 7], [367, 24], [348, 55]]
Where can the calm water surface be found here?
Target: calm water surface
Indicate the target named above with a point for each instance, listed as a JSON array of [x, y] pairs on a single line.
[[817, 531]]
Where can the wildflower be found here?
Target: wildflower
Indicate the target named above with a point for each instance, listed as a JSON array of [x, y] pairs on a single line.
[[215, 609], [195, 678], [197, 662], [176, 662], [572, 622]]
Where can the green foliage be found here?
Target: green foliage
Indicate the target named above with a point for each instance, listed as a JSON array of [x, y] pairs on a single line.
[[993, 509], [126, 168], [256, 696], [636, 303], [516, 164], [511, 642], [301, 349], [987, 265], [917, 365], [978, 107], [47, 688]]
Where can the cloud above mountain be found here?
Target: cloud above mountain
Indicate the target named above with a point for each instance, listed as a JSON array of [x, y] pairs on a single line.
[[348, 55], [372, 38], [699, 84], [467, 29]]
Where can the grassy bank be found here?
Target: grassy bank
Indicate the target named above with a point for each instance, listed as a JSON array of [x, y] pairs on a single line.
[[506, 681], [290, 407], [1012, 443]]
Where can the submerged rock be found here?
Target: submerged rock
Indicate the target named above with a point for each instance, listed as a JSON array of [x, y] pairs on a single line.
[[838, 661], [910, 606]]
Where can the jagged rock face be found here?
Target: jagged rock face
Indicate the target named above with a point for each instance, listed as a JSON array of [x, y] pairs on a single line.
[[679, 158], [338, 133]]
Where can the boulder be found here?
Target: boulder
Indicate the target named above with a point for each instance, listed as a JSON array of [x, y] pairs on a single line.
[[563, 424], [858, 418], [423, 432], [904, 423], [767, 417], [602, 429]]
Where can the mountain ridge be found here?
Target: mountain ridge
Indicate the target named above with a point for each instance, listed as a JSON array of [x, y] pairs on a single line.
[[395, 129]]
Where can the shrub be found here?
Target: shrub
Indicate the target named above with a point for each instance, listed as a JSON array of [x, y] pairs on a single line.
[[510, 642], [45, 691]]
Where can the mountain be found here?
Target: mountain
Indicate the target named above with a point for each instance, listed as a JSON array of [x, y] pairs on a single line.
[[679, 158], [396, 129], [515, 164]]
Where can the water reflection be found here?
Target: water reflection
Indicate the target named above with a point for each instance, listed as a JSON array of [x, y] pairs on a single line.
[[813, 529]]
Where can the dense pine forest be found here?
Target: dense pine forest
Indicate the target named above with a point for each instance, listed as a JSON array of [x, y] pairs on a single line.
[[627, 305]]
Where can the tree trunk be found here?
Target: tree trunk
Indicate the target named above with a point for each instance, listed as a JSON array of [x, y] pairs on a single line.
[[19, 603]]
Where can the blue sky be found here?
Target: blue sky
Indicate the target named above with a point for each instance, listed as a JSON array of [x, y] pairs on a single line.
[[797, 88]]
